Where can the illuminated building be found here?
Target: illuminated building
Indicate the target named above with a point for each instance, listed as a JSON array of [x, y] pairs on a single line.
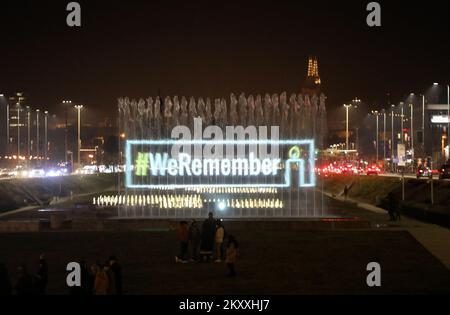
[[312, 84]]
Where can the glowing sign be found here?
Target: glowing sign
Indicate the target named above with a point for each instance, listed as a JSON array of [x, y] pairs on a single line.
[[161, 165], [440, 119], [146, 169], [294, 152]]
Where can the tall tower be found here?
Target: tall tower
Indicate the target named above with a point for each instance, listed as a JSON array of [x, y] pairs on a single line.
[[312, 82]]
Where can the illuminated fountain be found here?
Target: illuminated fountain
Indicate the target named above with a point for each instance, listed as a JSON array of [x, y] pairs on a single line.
[[289, 191]]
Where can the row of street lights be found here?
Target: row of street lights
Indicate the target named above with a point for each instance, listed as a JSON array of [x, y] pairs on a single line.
[[377, 113], [355, 103], [20, 98], [38, 112]]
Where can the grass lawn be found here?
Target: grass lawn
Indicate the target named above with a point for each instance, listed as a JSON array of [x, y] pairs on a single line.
[[271, 262]]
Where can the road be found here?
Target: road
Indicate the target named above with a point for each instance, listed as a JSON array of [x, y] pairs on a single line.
[[411, 176]]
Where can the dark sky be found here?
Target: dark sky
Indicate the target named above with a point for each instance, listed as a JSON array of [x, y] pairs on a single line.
[[212, 48]]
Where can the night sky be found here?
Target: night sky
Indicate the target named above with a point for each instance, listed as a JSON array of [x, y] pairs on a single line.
[[212, 48]]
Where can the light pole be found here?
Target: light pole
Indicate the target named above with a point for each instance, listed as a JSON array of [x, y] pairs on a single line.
[[401, 121], [45, 137], [357, 140], [384, 136], [7, 127], [28, 134], [376, 141], [355, 102], [79, 107], [412, 131], [18, 131], [448, 120], [392, 136], [66, 149], [423, 121], [347, 107], [37, 133]]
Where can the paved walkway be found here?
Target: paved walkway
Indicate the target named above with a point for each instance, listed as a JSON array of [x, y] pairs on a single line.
[[23, 209], [434, 238], [52, 203]]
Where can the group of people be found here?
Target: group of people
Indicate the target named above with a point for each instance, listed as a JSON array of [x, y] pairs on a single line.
[[207, 244], [26, 283], [100, 278]]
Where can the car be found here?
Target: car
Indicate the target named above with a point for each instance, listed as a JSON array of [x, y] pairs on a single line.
[[444, 171], [423, 171], [38, 172], [373, 170]]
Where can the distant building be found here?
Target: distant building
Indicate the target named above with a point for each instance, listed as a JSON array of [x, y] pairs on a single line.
[[312, 84], [434, 137]]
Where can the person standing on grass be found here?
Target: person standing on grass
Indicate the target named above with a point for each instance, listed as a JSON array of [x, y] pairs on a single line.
[[117, 272], [194, 240], [346, 192], [208, 236], [392, 206], [220, 233], [111, 279], [232, 250], [183, 237], [101, 283]]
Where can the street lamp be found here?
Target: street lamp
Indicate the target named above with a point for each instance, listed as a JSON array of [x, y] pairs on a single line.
[[376, 113], [384, 136], [401, 121], [347, 107], [45, 137], [78, 108], [355, 102], [28, 134], [392, 136], [412, 131], [18, 131], [37, 133], [423, 121], [66, 149]]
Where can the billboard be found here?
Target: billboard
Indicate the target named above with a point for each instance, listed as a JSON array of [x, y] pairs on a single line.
[[401, 154], [440, 119], [170, 164]]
